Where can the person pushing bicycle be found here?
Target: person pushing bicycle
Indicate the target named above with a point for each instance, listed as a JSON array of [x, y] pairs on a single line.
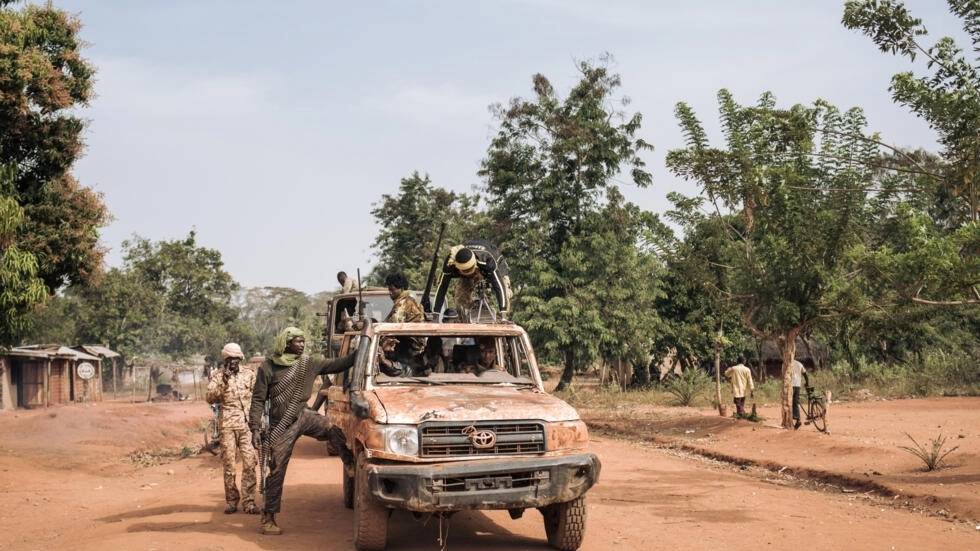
[[797, 373]]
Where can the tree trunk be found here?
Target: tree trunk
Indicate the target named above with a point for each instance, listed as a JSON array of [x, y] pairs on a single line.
[[721, 407], [641, 375], [763, 371], [569, 372], [787, 344]]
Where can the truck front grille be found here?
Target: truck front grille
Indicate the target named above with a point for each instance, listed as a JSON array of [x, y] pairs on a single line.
[[440, 439], [528, 479]]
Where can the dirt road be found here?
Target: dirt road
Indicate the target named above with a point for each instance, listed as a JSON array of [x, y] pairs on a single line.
[[65, 482]]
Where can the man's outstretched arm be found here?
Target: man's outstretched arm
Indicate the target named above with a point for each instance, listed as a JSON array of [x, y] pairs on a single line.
[[324, 366]]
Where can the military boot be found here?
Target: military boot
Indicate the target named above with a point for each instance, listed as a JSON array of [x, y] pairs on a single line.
[[231, 507], [269, 526]]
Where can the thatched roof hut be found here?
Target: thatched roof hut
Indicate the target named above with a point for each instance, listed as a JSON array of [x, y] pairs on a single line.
[[811, 353]]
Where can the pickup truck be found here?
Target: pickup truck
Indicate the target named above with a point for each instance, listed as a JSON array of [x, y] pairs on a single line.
[[467, 425]]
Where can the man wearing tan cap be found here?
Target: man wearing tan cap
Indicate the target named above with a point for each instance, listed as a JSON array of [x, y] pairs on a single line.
[[231, 387]]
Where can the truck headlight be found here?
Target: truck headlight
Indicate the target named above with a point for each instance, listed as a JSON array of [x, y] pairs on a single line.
[[403, 440]]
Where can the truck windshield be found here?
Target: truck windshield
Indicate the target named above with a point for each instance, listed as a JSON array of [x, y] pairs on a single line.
[[459, 359], [376, 307]]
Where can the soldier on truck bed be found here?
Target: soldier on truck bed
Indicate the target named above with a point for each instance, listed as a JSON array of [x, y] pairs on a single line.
[[474, 261]]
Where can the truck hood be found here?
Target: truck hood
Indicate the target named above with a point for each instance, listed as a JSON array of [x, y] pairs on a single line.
[[411, 405]]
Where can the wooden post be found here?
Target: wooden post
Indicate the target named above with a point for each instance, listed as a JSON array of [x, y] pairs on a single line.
[[194, 375], [47, 383], [132, 386], [721, 407], [115, 364], [826, 414]]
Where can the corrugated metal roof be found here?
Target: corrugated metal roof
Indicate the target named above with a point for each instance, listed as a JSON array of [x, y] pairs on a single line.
[[99, 350], [25, 353], [51, 351]]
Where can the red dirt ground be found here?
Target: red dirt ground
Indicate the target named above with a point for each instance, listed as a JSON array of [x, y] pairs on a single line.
[[65, 482], [861, 452]]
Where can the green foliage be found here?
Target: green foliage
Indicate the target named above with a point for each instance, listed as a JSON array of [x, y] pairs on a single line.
[[932, 456], [409, 223], [43, 79], [933, 266], [689, 386], [547, 171], [267, 310], [20, 287], [934, 372], [170, 297], [800, 199]]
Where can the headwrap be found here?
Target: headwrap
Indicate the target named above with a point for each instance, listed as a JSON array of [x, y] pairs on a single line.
[[232, 350], [463, 259], [279, 354]]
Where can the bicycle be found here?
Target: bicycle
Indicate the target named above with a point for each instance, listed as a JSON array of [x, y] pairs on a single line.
[[212, 441], [815, 410]]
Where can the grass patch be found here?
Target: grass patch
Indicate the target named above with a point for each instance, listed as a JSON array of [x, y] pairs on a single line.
[[162, 456]]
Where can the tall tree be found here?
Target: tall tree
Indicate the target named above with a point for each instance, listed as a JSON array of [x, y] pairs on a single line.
[[797, 182], [43, 81], [408, 226], [546, 172], [942, 265]]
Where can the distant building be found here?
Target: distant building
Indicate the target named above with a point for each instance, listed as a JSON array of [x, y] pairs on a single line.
[[44, 375]]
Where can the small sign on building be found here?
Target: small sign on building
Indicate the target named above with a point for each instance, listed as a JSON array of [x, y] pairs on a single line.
[[86, 370]]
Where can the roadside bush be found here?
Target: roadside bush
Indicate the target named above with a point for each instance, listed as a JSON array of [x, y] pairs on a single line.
[[688, 387], [933, 455], [937, 373]]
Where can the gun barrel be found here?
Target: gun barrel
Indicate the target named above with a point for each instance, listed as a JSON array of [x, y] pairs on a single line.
[[426, 302]]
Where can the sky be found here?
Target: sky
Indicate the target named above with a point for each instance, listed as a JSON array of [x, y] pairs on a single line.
[[270, 128]]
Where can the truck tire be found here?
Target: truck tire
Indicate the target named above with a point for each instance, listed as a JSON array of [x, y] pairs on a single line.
[[370, 516], [565, 524], [348, 487]]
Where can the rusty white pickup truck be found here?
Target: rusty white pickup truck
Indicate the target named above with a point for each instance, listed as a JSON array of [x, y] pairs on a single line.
[[465, 424]]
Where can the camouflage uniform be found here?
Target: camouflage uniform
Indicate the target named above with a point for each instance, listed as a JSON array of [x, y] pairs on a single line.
[[235, 396], [407, 310]]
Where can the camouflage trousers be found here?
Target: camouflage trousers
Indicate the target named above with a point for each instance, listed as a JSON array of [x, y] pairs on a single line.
[[234, 442], [309, 423]]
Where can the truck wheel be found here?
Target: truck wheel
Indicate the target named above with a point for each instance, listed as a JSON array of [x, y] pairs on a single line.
[[370, 516], [565, 524], [348, 487]]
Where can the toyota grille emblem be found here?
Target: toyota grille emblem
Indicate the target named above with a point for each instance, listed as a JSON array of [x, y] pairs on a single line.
[[481, 439]]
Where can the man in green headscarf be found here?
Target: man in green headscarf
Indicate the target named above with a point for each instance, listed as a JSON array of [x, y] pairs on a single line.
[[286, 380]]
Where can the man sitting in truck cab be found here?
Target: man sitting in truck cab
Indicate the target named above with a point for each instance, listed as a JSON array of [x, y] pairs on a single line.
[[487, 360]]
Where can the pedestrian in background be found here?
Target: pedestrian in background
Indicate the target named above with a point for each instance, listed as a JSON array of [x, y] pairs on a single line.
[[740, 376]]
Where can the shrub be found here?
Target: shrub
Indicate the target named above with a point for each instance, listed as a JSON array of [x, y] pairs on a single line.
[[933, 456], [688, 387]]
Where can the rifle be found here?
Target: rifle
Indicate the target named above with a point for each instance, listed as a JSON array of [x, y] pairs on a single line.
[[360, 298], [426, 302], [266, 449]]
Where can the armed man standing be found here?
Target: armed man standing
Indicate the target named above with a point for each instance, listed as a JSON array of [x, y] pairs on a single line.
[[285, 381], [474, 261], [231, 387]]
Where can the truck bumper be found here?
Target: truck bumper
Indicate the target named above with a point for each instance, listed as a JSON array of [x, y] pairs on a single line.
[[513, 483]]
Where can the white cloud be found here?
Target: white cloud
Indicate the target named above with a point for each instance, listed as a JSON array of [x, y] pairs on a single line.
[[439, 105], [135, 88]]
